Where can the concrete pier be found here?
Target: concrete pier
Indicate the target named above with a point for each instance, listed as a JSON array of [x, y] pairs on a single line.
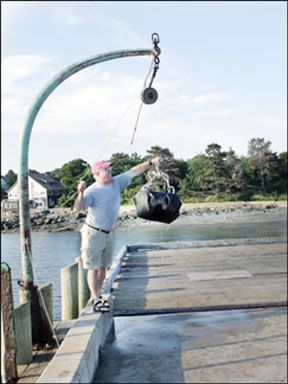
[[200, 312], [234, 346], [184, 312]]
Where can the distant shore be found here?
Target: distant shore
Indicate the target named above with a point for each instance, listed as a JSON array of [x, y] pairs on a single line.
[[64, 219]]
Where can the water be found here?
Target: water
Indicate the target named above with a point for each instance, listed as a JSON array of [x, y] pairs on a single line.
[[53, 251]]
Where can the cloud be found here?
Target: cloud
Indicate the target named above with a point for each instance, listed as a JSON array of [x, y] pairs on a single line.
[[75, 15], [93, 99], [18, 67], [213, 113], [269, 122], [204, 99], [20, 74], [103, 103]]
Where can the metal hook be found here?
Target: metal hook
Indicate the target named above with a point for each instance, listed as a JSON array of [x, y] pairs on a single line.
[[155, 38]]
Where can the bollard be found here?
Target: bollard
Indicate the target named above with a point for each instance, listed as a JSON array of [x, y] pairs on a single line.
[[23, 333], [8, 347], [83, 290], [69, 292]]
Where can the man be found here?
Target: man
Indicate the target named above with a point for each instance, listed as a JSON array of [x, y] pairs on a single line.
[[102, 199]]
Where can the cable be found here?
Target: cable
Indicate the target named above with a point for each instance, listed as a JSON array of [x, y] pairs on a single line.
[[141, 104], [114, 132], [41, 295], [102, 150]]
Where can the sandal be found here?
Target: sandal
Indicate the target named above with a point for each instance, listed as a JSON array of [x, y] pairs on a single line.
[[100, 307], [104, 302]]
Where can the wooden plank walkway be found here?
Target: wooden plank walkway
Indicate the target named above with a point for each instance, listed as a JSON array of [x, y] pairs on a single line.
[[239, 274]]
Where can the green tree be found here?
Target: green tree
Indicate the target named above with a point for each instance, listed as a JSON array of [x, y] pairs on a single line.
[[198, 170], [235, 180], [216, 175], [122, 162], [283, 166], [277, 181], [169, 164], [260, 154], [69, 175]]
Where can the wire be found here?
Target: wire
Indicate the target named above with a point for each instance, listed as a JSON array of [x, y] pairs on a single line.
[[136, 123], [41, 295], [87, 172], [141, 104], [114, 132]]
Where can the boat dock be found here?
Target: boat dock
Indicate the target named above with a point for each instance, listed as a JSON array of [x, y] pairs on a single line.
[[206, 275], [201, 311]]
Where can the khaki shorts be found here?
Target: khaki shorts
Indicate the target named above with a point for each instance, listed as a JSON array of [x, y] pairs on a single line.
[[96, 248]]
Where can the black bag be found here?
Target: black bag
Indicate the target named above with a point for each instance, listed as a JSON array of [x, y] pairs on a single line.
[[161, 206]]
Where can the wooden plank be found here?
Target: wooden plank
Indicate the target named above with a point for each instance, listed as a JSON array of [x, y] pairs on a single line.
[[227, 275], [215, 275]]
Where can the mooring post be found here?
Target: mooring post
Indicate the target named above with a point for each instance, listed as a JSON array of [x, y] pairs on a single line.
[[69, 292], [83, 290], [23, 335], [8, 344]]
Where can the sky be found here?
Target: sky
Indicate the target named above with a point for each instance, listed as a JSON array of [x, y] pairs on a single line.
[[222, 78]]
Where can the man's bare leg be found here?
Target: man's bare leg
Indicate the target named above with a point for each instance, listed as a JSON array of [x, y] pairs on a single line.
[[101, 273], [92, 284], [95, 279]]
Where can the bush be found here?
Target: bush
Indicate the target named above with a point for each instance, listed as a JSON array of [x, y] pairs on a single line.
[[260, 197], [128, 194], [282, 197], [211, 199]]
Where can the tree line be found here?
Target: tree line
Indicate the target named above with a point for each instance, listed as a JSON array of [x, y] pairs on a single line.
[[214, 175]]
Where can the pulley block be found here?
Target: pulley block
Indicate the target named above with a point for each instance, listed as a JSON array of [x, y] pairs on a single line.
[[149, 95]]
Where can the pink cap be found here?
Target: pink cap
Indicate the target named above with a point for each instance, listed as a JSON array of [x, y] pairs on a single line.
[[100, 165]]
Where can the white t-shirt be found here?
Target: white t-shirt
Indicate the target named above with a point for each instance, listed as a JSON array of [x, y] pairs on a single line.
[[103, 201]]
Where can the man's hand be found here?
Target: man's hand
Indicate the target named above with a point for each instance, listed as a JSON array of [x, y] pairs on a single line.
[[78, 204], [139, 169], [81, 186], [156, 160]]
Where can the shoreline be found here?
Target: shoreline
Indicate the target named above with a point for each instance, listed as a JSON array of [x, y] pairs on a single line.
[[64, 219]]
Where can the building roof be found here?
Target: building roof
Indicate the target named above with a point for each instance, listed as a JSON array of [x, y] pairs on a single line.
[[45, 180]]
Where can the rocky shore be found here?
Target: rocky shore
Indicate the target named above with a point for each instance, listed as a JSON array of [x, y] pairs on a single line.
[[64, 219]]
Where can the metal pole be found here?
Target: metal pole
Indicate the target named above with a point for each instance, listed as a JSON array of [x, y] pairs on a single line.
[[24, 214]]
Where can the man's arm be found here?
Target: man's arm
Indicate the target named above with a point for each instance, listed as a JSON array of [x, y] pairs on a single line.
[[140, 168], [78, 204]]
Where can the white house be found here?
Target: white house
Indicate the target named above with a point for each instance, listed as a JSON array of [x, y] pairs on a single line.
[[44, 192]]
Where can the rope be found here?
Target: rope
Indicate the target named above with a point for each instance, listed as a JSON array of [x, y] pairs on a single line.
[[141, 104], [102, 150], [73, 195], [41, 296], [114, 132], [136, 123]]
